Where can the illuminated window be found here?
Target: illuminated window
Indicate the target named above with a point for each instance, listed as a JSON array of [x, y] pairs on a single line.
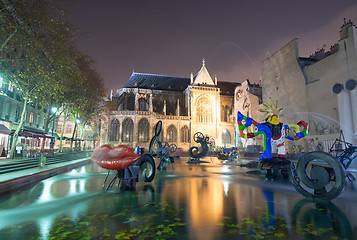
[[226, 137], [171, 134], [204, 110], [31, 118], [143, 130], [68, 128], [10, 87], [114, 130], [59, 128], [184, 134], [128, 130]]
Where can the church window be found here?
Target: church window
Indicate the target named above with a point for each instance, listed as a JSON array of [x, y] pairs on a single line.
[[161, 136], [185, 134], [171, 134], [143, 130], [128, 130], [226, 114], [226, 137], [204, 110], [143, 104], [114, 131]]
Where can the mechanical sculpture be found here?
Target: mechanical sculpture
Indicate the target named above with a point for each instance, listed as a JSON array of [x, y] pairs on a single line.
[[198, 152], [274, 133], [127, 164], [272, 129], [322, 175], [163, 151]]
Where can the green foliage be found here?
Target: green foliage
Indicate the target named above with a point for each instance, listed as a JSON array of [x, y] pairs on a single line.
[[134, 222], [39, 57]]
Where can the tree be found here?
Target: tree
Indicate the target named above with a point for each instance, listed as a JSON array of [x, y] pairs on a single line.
[[37, 53], [91, 94]]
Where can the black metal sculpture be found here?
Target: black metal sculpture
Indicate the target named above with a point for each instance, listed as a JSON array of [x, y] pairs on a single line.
[[164, 151], [322, 175], [198, 152], [127, 164]]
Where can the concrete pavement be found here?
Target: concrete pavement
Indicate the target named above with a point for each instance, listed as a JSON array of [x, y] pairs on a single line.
[[14, 180]]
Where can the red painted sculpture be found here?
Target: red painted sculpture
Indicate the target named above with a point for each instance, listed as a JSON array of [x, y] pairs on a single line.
[[127, 164], [119, 157]]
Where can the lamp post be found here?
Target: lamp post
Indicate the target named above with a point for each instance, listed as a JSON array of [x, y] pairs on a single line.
[[54, 112], [77, 122]]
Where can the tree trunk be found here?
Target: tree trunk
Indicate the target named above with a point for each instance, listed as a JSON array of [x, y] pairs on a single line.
[[75, 127], [62, 132], [81, 134], [16, 134], [46, 128]]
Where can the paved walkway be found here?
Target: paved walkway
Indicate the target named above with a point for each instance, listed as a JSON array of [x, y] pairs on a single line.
[[13, 180]]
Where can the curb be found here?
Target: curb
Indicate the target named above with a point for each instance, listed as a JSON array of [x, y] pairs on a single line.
[[20, 182]]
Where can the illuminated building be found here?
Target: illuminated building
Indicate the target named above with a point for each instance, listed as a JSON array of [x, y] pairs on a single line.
[[32, 133], [320, 89], [184, 105]]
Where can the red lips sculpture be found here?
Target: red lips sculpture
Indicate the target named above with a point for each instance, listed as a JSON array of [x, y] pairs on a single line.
[[119, 157]]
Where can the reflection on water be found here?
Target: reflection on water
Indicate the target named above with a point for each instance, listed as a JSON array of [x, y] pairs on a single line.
[[206, 201], [320, 217]]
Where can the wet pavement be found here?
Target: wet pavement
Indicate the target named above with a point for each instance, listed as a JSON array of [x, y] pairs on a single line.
[[210, 200]]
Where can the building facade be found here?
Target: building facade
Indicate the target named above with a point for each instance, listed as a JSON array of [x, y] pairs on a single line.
[[248, 100], [320, 89], [32, 134], [185, 106]]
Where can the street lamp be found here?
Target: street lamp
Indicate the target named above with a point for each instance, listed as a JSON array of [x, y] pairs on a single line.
[[77, 122], [54, 111]]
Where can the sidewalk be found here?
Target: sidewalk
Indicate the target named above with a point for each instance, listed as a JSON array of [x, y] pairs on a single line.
[[14, 180]]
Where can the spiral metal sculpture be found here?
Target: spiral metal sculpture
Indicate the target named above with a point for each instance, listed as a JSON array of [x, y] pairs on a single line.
[[162, 150], [198, 152]]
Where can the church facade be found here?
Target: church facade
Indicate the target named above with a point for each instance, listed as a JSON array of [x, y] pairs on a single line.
[[185, 106]]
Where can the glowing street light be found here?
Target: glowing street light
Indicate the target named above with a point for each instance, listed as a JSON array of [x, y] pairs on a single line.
[[54, 109]]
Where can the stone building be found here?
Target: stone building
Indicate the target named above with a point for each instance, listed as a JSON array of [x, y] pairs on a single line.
[[248, 99], [318, 89], [32, 134], [199, 103]]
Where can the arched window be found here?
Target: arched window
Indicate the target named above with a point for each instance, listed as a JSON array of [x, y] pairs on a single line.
[[143, 104], [127, 130], [128, 102], [226, 137], [143, 130], [204, 110], [114, 130], [185, 134], [161, 136], [171, 134], [227, 112]]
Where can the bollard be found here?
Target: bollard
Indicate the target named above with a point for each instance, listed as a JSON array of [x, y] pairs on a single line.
[[42, 161]]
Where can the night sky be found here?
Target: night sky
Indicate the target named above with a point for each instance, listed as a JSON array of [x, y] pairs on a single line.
[[171, 37]]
